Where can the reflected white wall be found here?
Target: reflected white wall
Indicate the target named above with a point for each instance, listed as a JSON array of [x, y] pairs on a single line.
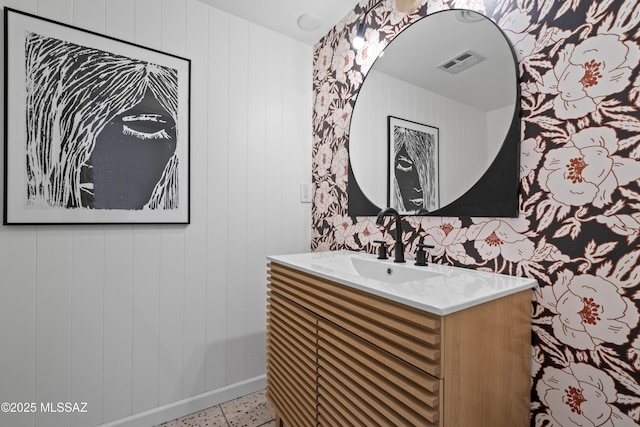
[[464, 135]]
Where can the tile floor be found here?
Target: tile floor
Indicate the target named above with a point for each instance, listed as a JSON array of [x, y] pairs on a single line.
[[252, 410]]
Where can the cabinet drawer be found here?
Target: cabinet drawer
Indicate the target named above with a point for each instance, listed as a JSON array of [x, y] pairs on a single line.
[[408, 333], [360, 384]]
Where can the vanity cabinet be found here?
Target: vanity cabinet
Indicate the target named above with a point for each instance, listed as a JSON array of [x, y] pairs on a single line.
[[340, 356]]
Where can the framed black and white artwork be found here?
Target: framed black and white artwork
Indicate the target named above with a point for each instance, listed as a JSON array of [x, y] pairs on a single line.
[[413, 185], [97, 129]]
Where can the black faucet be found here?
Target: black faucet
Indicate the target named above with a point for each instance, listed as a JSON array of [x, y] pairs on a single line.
[[399, 246]]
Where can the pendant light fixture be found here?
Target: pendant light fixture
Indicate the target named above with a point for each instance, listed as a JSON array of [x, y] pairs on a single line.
[[407, 6]]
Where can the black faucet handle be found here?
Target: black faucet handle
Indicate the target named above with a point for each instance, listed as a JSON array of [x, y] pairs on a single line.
[[424, 245], [382, 249], [421, 254]]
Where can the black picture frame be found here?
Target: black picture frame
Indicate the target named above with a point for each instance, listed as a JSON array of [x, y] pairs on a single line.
[[97, 130], [413, 176]]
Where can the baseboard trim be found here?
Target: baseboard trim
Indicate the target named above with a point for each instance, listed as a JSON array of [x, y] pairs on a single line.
[[190, 405]]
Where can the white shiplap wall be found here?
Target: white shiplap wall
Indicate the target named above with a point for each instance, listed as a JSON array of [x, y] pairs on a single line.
[[458, 124], [132, 319]]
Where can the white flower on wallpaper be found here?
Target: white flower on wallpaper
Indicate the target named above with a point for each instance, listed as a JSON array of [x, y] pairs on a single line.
[[585, 74], [323, 99], [580, 395], [448, 237], [584, 318], [368, 232], [343, 58], [323, 198], [587, 171], [367, 55], [341, 119], [497, 237], [343, 231], [323, 159], [322, 64], [340, 167]]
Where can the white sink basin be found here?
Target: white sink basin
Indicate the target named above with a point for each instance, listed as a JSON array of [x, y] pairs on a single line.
[[382, 270], [435, 288]]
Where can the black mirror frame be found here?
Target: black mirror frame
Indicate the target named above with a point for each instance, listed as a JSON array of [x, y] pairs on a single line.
[[495, 194]]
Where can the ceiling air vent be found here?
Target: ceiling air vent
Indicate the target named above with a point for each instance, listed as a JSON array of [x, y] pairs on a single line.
[[461, 62]]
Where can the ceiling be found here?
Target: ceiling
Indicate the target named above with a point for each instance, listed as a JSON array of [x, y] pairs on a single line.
[[488, 85], [282, 15]]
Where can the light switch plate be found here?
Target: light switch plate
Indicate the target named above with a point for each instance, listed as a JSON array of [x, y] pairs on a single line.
[[305, 193]]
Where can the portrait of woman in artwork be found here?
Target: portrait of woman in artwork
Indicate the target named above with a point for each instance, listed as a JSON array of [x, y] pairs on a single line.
[[414, 178], [101, 129]]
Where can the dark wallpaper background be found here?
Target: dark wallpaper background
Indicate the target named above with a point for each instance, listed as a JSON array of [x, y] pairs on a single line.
[[579, 223]]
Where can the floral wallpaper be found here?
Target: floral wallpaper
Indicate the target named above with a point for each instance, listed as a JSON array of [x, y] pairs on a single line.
[[579, 223]]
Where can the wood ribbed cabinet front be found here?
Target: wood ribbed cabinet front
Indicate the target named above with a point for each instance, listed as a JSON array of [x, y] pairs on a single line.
[[406, 332], [338, 356], [362, 385], [291, 361]]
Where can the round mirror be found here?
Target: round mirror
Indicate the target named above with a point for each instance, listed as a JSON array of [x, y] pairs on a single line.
[[435, 127]]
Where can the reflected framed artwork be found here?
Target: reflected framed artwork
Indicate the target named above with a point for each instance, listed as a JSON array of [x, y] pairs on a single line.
[[413, 183], [96, 129]]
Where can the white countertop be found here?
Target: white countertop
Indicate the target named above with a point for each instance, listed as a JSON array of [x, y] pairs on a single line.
[[450, 289]]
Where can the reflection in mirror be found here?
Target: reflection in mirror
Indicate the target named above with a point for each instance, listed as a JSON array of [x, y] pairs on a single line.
[[453, 71]]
